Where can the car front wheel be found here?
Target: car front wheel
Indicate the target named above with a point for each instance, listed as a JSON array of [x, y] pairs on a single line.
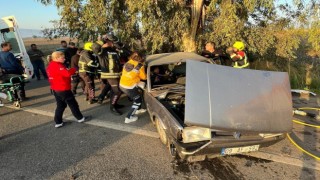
[[162, 132]]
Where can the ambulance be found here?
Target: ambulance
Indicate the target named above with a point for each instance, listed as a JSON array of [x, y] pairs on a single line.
[[9, 32]]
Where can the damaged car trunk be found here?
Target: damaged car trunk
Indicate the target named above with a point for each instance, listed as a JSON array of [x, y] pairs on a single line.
[[202, 110]]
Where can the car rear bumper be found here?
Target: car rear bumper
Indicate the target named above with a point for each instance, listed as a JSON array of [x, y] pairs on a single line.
[[213, 148]]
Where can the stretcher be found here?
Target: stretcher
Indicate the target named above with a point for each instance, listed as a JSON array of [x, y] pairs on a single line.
[[9, 90]]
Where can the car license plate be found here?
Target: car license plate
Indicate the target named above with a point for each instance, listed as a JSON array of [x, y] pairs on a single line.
[[236, 150]]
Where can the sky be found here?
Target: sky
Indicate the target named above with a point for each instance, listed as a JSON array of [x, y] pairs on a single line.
[[30, 14]]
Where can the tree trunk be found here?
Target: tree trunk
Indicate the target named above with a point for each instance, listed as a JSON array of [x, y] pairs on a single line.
[[289, 66], [189, 40]]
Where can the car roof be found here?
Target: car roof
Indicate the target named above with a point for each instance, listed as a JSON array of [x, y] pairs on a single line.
[[168, 58]]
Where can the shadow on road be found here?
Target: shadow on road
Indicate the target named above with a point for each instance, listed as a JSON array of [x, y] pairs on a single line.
[[305, 136]]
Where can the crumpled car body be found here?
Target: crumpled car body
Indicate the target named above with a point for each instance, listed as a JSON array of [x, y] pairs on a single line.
[[202, 110]]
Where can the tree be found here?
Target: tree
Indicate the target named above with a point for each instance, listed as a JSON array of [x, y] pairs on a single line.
[[184, 25]]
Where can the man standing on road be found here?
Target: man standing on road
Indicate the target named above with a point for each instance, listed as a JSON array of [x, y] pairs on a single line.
[[64, 49], [72, 49], [60, 84], [87, 65], [11, 66], [110, 73], [76, 78], [36, 59]]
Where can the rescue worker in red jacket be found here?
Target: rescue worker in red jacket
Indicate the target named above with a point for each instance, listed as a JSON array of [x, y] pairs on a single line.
[[238, 56], [60, 84]]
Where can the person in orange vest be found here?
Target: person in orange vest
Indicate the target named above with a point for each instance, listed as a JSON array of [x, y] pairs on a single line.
[[132, 74], [238, 55]]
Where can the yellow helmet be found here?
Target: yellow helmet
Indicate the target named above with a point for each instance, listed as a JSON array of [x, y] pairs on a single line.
[[239, 45], [88, 46]]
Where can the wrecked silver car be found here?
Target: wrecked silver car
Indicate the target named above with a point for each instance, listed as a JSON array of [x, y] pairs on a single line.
[[202, 110]]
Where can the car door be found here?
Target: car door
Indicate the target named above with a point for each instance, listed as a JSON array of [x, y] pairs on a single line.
[[9, 32]]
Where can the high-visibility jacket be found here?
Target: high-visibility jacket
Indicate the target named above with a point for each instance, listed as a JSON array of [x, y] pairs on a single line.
[[132, 73], [109, 61], [85, 61], [240, 60]]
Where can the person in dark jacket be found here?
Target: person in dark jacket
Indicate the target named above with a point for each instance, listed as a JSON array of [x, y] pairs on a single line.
[[110, 72], [9, 63], [87, 66], [60, 84], [64, 49], [76, 78], [11, 67], [72, 49], [36, 59], [216, 55]]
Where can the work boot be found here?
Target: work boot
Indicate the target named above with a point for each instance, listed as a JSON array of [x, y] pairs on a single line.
[[92, 101], [100, 101], [119, 106], [115, 111]]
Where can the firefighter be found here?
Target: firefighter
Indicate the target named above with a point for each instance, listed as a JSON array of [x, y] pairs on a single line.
[[132, 74], [110, 73], [87, 66], [237, 55]]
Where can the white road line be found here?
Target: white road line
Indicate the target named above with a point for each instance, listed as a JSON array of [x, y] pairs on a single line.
[[35, 111], [136, 130], [97, 122]]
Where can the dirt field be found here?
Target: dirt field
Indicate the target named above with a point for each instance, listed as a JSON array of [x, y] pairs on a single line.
[[45, 45]]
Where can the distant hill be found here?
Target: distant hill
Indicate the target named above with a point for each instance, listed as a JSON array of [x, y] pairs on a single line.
[[25, 33]]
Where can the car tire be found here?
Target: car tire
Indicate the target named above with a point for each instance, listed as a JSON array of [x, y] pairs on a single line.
[[150, 114], [162, 132]]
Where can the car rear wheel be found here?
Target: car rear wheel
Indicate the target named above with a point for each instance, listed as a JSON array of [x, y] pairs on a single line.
[[162, 132]]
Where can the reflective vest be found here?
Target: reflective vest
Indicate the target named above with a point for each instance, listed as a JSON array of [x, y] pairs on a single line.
[[242, 62], [132, 73], [110, 64], [86, 61]]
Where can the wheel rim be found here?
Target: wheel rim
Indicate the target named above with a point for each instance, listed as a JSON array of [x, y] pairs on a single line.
[[162, 132]]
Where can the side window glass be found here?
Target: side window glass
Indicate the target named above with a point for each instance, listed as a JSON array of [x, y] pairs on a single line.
[[9, 36]]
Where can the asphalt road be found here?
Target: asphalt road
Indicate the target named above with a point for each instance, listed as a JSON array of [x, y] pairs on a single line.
[[106, 148]]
